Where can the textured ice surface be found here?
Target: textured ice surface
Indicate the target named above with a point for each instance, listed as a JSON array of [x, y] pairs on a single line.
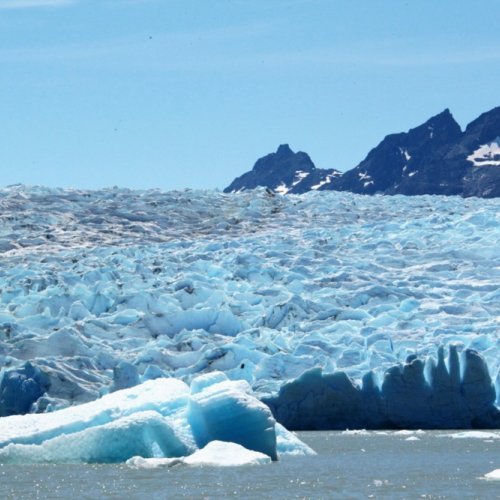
[[102, 289], [160, 418]]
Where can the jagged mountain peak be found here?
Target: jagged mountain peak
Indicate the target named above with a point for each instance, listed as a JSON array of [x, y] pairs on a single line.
[[283, 171], [486, 126], [443, 121], [284, 161], [444, 115], [436, 157], [284, 151]]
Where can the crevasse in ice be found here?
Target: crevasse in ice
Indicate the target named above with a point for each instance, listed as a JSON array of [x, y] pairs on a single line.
[[103, 289]]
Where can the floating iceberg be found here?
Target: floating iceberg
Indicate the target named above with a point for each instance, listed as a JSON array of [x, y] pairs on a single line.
[[475, 435], [493, 475], [159, 419], [215, 453], [222, 410]]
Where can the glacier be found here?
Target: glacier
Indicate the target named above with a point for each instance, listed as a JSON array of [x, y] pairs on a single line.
[[104, 290]]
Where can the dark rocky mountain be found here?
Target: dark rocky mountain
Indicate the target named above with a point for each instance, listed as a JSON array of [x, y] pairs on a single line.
[[436, 157], [481, 144], [284, 172], [409, 163]]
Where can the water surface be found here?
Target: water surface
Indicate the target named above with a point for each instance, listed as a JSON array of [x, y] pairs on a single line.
[[348, 465]]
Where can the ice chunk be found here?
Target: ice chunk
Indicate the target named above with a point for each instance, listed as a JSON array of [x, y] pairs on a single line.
[[144, 433], [221, 453], [152, 372], [153, 463], [222, 409], [404, 432], [20, 388], [168, 397], [160, 418], [214, 454], [474, 435], [125, 375], [212, 320], [493, 475], [289, 444]]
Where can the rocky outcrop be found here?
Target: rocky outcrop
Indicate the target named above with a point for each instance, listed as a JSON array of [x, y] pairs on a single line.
[[407, 399], [410, 162]]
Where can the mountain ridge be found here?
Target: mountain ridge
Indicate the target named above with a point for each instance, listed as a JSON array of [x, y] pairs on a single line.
[[436, 157]]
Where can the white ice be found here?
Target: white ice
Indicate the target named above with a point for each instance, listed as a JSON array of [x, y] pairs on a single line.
[[475, 435], [215, 454], [493, 475]]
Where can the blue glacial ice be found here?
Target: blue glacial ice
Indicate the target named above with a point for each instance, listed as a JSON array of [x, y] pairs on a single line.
[[102, 290], [406, 399], [161, 419]]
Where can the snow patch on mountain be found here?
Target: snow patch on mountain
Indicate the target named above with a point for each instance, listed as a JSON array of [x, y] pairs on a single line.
[[299, 177], [405, 153], [486, 154]]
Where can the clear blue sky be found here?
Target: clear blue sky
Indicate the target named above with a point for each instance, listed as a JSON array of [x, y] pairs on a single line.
[[189, 93]]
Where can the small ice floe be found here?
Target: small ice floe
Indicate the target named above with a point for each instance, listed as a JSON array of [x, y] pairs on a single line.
[[474, 435], [356, 432], [404, 432], [214, 454], [493, 475]]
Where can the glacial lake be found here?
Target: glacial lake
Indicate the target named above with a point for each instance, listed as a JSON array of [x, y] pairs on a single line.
[[437, 464]]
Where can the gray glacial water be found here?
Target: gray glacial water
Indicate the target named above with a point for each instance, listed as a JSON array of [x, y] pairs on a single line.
[[348, 465]]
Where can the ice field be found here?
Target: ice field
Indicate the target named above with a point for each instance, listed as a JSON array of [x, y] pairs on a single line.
[[102, 290]]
